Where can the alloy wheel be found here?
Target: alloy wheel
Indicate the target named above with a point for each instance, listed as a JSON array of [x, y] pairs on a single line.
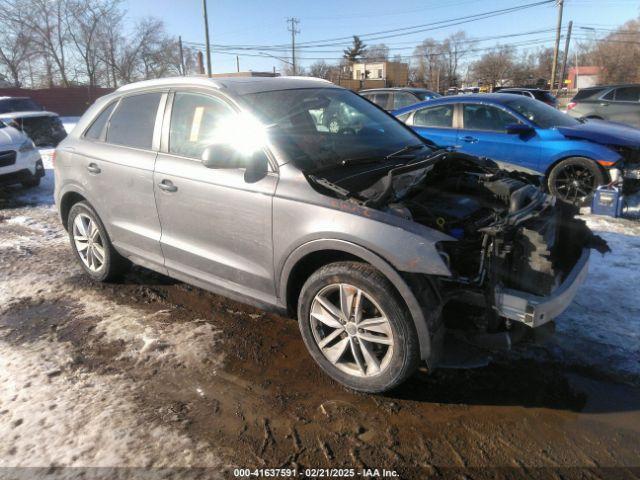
[[351, 330], [88, 242], [575, 183]]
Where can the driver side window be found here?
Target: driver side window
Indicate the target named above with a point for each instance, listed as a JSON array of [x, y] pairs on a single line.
[[486, 118], [195, 120]]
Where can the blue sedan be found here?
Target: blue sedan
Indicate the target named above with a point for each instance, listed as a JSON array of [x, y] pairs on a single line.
[[574, 156]]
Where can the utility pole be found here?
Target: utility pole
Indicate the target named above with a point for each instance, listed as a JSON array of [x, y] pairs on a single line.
[[292, 28], [237, 64], [554, 67], [566, 55], [206, 36], [182, 69]]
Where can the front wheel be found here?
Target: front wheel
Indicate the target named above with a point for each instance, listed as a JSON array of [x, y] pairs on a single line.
[[575, 180], [357, 328]]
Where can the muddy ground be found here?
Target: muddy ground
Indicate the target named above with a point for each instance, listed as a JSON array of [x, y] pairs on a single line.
[[160, 377]]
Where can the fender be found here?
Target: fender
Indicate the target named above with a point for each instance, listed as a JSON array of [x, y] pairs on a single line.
[[415, 308]]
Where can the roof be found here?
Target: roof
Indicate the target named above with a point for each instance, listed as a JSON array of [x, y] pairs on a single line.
[[521, 89], [233, 85], [401, 89], [493, 98], [13, 98], [613, 85], [28, 114]]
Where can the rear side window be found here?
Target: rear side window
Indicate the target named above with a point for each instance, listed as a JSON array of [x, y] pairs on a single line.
[[586, 93], [132, 123], [440, 117], [626, 94], [97, 127]]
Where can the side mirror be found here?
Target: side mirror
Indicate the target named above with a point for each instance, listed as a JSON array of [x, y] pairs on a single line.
[[519, 129], [256, 164]]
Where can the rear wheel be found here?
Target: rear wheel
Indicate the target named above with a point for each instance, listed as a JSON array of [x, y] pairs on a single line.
[[575, 180], [357, 328], [91, 244]]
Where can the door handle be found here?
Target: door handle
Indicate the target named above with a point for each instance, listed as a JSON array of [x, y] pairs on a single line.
[[167, 186], [93, 168], [470, 139], [604, 104]]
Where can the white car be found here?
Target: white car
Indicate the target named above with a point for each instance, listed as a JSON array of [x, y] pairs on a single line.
[[20, 160]]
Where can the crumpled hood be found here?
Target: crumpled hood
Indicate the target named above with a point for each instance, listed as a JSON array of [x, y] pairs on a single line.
[[10, 136], [605, 133]]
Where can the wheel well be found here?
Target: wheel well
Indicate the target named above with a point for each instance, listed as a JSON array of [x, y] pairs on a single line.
[[553, 165], [68, 201], [305, 268]]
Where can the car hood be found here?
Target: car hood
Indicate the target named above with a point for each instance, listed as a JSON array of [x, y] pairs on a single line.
[[10, 136], [605, 133], [35, 113]]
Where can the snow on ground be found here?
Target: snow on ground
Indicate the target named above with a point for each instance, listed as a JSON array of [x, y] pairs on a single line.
[[601, 328]]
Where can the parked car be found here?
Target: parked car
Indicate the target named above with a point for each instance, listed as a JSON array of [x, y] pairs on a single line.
[[378, 241], [544, 96], [573, 156], [44, 128], [20, 161], [616, 103], [394, 98]]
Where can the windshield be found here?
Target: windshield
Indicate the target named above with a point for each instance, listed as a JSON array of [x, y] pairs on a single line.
[[541, 114], [18, 105], [319, 127]]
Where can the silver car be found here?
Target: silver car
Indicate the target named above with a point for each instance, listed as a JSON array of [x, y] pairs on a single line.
[[301, 197]]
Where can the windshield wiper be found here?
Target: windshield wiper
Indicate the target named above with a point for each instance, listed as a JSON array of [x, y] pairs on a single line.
[[366, 160]]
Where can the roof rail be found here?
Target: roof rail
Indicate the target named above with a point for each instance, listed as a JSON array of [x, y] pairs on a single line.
[[160, 82]]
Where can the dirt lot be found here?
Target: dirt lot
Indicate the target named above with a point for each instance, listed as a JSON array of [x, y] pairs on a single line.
[[154, 373]]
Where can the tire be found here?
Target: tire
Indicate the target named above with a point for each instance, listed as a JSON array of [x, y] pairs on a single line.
[[386, 353], [32, 183], [98, 259], [575, 169]]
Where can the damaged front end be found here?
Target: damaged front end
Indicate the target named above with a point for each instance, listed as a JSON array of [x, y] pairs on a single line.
[[515, 254]]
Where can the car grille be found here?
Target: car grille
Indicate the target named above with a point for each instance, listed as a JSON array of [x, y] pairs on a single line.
[[7, 158]]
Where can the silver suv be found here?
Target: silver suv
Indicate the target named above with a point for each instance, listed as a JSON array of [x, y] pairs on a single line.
[[301, 197]]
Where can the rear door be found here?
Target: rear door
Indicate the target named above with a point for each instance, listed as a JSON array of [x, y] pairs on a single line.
[[483, 132], [436, 124], [622, 105], [216, 225], [116, 163]]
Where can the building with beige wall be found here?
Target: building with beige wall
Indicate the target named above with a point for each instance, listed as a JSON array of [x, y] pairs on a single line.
[[392, 74]]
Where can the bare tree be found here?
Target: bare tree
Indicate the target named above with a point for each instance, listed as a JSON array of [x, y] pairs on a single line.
[[86, 22], [618, 54], [320, 69], [377, 53], [15, 52], [45, 22], [496, 66]]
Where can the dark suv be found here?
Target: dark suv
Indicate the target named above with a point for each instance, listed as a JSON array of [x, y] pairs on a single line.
[[616, 103], [544, 96], [394, 98]]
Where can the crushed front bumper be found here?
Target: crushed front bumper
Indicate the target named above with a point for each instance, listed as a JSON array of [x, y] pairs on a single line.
[[534, 310]]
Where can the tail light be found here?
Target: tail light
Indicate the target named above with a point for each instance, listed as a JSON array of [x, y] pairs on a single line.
[[53, 158], [571, 106]]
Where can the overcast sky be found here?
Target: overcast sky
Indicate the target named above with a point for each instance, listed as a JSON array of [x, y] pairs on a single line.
[[263, 22]]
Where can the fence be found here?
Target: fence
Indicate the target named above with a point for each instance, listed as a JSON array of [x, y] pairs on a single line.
[[66, 101]]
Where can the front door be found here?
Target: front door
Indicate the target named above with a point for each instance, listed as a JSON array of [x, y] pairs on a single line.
[[484, 133], [216, 226]]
